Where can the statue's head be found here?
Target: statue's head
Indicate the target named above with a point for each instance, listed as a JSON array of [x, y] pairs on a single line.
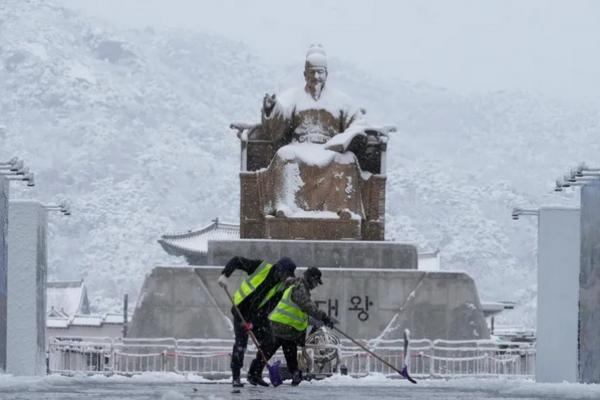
[[315, 70]]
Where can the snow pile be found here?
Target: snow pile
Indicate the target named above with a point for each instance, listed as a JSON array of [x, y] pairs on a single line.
[[503, 387], [519, 388], [286, 200], [454, 388], [144, 384], [342, 141], [131, 127], [10, 382]]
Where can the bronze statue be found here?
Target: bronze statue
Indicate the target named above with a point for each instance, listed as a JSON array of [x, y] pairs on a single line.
[[313, 169]]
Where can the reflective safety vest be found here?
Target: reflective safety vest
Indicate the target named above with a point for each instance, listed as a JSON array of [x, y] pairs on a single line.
[[274, 290], [288, 313], [250, 284]]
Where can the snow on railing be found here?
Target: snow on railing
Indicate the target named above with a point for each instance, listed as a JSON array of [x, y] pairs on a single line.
[[90, 354], [437, 358], [482, 357]]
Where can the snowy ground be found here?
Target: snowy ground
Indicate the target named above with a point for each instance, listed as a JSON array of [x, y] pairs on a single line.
[[174, 387]]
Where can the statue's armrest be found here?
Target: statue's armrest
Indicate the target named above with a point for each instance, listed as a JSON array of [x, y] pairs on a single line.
[[244, 130], [372, 156], [379, 132], [256, 146]]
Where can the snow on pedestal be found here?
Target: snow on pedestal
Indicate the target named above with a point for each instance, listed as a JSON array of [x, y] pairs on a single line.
[[309, 154], [3, 266], [27, 266], [558, 294]]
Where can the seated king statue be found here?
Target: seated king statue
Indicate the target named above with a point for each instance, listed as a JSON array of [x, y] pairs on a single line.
[[313, 169]]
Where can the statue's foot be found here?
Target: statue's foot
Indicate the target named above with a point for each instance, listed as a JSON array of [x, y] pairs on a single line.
[[280, 214], [344, 214]]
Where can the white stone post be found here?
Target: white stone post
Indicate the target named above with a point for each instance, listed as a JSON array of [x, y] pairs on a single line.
[[4, 188], [558, 294], [589, 285], [27, 268]]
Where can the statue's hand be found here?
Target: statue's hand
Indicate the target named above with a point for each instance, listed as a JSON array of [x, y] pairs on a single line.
[[268, 103]]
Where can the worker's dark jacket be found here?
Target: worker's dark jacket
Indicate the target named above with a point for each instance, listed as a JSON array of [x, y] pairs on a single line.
[[301, 296], [249, 307]]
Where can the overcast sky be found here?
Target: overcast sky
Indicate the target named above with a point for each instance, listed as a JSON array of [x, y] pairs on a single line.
[[547, 47]]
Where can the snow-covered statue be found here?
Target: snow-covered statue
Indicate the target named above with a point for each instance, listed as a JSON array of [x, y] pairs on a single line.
[[313, 169]]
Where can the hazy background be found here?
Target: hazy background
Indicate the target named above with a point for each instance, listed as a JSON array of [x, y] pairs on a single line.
[[123, 109], [547, 47]]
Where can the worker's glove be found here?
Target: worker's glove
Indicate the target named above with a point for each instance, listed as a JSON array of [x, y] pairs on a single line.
[[329, 322], [232, 264], [247, 326], [222, 281]]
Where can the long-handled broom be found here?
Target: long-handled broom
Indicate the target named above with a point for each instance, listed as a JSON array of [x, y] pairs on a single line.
[[403, 372], [274, 374]]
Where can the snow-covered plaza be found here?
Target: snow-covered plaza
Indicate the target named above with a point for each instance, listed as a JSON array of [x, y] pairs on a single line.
[[175, 387], [362, 166]]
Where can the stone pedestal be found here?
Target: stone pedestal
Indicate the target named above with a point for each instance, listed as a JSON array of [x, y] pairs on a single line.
[[186, 302], [302, 228], [589, 285], [318, 253], [3, 266], [177, 302], [27, 266], [558, 294]]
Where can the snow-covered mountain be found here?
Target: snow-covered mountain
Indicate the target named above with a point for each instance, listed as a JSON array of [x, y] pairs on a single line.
[[132, 128]]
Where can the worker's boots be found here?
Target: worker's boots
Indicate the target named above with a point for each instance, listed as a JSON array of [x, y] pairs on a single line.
[[235, 379], [296, 377], [257, 380], [255, 375], [236, 382]]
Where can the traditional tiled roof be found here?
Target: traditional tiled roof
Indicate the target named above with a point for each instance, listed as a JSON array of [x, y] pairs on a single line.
[[91, 320], [54, 313], [491, 308], [67, 298], [193, 245], [196, 242], [57, 322]]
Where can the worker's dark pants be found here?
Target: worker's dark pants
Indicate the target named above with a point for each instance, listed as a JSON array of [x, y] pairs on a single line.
[[262, 331], [290, 351]]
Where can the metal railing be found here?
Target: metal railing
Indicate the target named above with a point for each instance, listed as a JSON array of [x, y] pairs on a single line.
[[211, 357]]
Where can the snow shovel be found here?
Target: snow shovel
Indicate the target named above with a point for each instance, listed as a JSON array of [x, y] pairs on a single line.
[[403, 372], [274, 374]]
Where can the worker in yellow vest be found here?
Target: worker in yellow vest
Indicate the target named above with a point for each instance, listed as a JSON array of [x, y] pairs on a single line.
[[289, 321], [256, 297]]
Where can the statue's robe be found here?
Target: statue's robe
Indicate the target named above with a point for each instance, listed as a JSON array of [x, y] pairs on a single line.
[[312, 174]]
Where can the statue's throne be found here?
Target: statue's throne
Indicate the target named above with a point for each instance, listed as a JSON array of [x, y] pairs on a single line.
[[257, 151]]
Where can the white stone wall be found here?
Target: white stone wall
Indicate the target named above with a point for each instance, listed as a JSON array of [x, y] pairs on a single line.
[[558, 294], [27, 266]]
